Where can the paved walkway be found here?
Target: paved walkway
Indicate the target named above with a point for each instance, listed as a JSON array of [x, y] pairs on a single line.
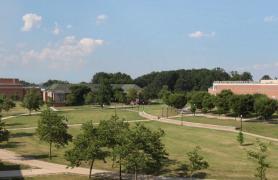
[[42, 167], [74, 125], [200, 125]]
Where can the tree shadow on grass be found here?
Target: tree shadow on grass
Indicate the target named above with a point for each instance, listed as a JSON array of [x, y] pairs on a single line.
[[37, 156], [10, 145], [13, 124], [247, 144], [9, 167], [21, 134]]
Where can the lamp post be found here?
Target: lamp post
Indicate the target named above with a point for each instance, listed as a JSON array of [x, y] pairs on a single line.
[[115, 109], [182, 117], [241, 122]]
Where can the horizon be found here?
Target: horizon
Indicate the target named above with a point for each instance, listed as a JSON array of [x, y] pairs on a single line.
[[73, 43]]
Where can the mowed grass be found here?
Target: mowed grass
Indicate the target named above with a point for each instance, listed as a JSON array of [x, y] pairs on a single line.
[[159, 110], [18, 109], [227, 159], [75, 117], [263, 128]]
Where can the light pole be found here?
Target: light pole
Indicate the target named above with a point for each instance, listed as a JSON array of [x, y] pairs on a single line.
[[115, 109], [241, 122], [182, 117]]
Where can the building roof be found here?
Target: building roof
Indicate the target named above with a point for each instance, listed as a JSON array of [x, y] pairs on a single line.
[[59, 87]]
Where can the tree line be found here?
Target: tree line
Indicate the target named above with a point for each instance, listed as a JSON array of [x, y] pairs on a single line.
[[225, 102]]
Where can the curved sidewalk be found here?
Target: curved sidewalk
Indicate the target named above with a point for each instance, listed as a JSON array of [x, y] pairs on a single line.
[[200, 125]]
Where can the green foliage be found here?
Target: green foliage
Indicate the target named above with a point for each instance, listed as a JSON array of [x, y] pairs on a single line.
[[266, 77], [51, 82], [144, 150], [265, 107], [196, 97], [240, 138], [52, 128], [104, 93], [114, 134], [223, 101], [90, 98], [260, 157], [196, 160], [6, 104], [242, 104], [132, 95], [208, 102], [32, 100], [193, 108], [87, 147], [245, 76], [112, 78], [77, 95], [119, 95], [4, 133], [177, 100], [181, 80]]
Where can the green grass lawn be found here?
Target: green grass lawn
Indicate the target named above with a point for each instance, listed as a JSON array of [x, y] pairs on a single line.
[[227, 159], [159, 110], [269, 129], [75, 117], [18, 109]]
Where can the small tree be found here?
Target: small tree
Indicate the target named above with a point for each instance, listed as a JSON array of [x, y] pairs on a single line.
[[52, 128], [265, 107], [197, 161], [104, 93], [8, 104], [260, 157], [4, 133], [32, 100], [240, 138], [87, 147], [193, 108], [132, 94], [177, 100]]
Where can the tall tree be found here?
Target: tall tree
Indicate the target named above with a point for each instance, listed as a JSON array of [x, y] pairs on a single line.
[[266, 77], [242, 104], [223, 101], [112, 78], [132, 95], [78, 93], [114, 133], [7, 104], [177, 100], [52, 128], [32, 100], [145, 151], [265, 107], [104, 93], [87, 147]]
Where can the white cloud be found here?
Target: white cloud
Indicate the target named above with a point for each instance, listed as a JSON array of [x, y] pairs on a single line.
[[101, 18], [265, 66], [270, 19], [68, 54], [56, 30], [200, 34], [30, 20]]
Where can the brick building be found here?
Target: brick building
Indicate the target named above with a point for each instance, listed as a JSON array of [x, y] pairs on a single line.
[[267, 87], [12, 88]]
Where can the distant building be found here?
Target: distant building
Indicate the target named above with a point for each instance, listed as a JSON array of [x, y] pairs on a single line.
[[267, 87], [57, 93], [13, 88]]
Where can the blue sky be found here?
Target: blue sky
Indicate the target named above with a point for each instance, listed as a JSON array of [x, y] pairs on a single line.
[[72, 40]]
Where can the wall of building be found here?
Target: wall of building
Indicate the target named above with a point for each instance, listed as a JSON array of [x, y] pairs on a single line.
[[271, 90]]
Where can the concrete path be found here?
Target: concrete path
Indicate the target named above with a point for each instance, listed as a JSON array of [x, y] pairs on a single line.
[[25, 114], [200, 125], [74, 125], [42, 167]]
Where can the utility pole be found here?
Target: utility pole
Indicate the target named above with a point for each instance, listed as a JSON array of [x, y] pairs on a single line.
[[240, 122]]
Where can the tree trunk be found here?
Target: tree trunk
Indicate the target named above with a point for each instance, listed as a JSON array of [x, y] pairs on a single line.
[[91, 167], [50, 149], [120, 163], [135, 173], [30, 112]]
